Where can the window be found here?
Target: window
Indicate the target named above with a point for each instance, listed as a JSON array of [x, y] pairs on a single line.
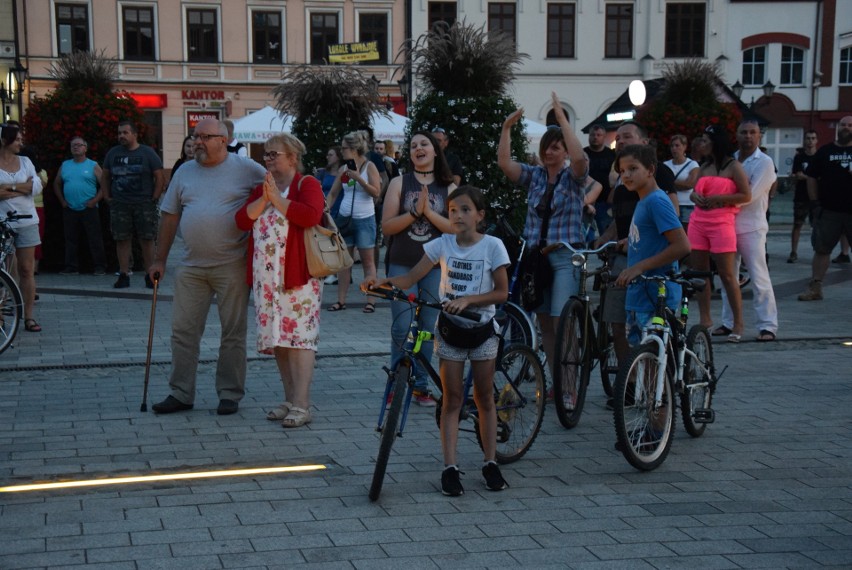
[[685, 24], [619, 30], [373, 27], [267, 37], [846, 66], [442, 12], [139, 33], [560, 30], [203, 35], [324, 32], [754, 66], [792, 65], [72, 28], [502, 18]]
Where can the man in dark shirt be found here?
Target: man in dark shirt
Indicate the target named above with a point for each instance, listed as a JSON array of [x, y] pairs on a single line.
[[601, 158], [830, 190], [453, 161], [800, 198]]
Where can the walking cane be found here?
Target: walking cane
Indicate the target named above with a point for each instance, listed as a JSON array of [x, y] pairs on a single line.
[[144, 406]]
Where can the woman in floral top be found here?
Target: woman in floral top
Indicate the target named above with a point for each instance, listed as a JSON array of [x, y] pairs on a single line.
[[286, 297]]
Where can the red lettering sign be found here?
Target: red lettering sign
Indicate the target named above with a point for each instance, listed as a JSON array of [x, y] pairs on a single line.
[[195, 117], [201, 95]]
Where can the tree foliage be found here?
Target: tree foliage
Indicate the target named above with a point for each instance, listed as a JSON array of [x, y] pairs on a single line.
[[326, 102], [466, 72], [464, 61], [688, 102]]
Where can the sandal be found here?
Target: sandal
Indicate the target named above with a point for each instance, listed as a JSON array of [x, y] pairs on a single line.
[[369, 308], [279, 413], [337, 307], [722, 331], [296, 418], [30, 325], [766, 336]]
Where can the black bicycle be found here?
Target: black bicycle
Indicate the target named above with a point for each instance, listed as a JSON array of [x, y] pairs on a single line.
[[519, 393], [580, 346]]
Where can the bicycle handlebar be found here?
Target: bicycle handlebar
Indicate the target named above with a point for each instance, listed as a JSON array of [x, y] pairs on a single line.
[[571, 248], [392, 293], [13, 216], [687, 278]]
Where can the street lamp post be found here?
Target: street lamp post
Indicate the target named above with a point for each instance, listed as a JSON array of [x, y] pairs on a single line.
[[405, 89], [19, 72]]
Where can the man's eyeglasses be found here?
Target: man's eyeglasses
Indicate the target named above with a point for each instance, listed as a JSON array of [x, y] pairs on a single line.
[[205, 138], [272, 154]]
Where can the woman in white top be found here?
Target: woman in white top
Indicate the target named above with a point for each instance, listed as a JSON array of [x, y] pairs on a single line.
[[19, 182], [681, 166], [361, 184]]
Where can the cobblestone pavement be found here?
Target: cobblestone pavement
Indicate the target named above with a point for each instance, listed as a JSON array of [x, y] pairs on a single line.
[[769, 485]]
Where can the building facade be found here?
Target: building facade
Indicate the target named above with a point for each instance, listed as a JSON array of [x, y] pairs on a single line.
[[187, 59]]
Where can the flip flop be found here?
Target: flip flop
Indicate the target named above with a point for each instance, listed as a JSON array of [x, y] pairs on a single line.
[[765, 336], [337, 307], [721, 331], [31, 325], [369, 308]]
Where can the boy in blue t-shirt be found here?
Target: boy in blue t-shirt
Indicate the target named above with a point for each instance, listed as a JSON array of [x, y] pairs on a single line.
[[655, 242]]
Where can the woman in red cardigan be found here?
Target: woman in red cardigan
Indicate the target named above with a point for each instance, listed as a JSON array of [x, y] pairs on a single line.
[[286, 297]]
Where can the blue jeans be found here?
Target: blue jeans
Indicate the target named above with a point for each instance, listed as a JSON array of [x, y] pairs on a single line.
[[401, 314], [566, 282]]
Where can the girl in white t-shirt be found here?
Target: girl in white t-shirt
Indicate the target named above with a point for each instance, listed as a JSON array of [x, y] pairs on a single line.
[[473, 278]]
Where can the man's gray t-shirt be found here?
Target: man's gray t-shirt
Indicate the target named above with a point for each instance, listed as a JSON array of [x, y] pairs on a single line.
[[132, 173], [206, 199]]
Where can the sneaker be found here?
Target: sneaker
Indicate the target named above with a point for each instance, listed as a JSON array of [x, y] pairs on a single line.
[[99, 271], [493, 478], [451, 482], [841, 258], [69, 271], [814, 292], [148, 283], [122, 282], [424, 399], [331, 280], [793, 257], [118, 273]]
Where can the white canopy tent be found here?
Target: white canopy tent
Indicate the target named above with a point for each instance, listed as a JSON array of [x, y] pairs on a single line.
[[259, 126]]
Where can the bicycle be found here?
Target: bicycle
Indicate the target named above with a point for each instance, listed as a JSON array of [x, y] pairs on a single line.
[[580, 346], [519, 393], [11, 299], [520, 326], [668, 361]]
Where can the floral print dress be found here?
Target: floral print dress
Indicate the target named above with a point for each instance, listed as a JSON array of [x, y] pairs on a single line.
[[288, 318]]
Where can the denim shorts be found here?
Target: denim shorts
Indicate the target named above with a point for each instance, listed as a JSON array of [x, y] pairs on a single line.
[[27, 236], [566, 282], [485, 351], [361, 233]]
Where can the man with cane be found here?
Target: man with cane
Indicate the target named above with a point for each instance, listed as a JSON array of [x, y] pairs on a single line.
[[202, 199]]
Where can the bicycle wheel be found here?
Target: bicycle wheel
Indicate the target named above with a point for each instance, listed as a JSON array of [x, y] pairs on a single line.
[[644, 430], [400, 385], [698, 389], [608, 359], [520, 397], [570, 374], [11, 310], [519, 327]]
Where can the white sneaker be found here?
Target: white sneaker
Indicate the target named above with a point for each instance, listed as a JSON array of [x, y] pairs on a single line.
[[331, 280]]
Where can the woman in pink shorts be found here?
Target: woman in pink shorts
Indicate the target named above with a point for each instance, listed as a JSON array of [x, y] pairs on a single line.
[[722, 184]]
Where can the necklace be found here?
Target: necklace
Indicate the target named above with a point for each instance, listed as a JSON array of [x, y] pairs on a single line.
[[424, 173]]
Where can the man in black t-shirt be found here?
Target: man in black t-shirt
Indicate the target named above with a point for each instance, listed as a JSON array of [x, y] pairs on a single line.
[[800, 199], [830, 191], [453, 160], [601, 158]]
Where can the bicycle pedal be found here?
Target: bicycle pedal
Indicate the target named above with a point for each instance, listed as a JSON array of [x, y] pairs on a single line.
[[704, 416]]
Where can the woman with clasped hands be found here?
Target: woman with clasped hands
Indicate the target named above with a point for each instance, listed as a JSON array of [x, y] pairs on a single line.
[[556, 198], [286, 298]]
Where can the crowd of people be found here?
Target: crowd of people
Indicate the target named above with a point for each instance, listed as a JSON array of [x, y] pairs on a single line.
[[243, 227]]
